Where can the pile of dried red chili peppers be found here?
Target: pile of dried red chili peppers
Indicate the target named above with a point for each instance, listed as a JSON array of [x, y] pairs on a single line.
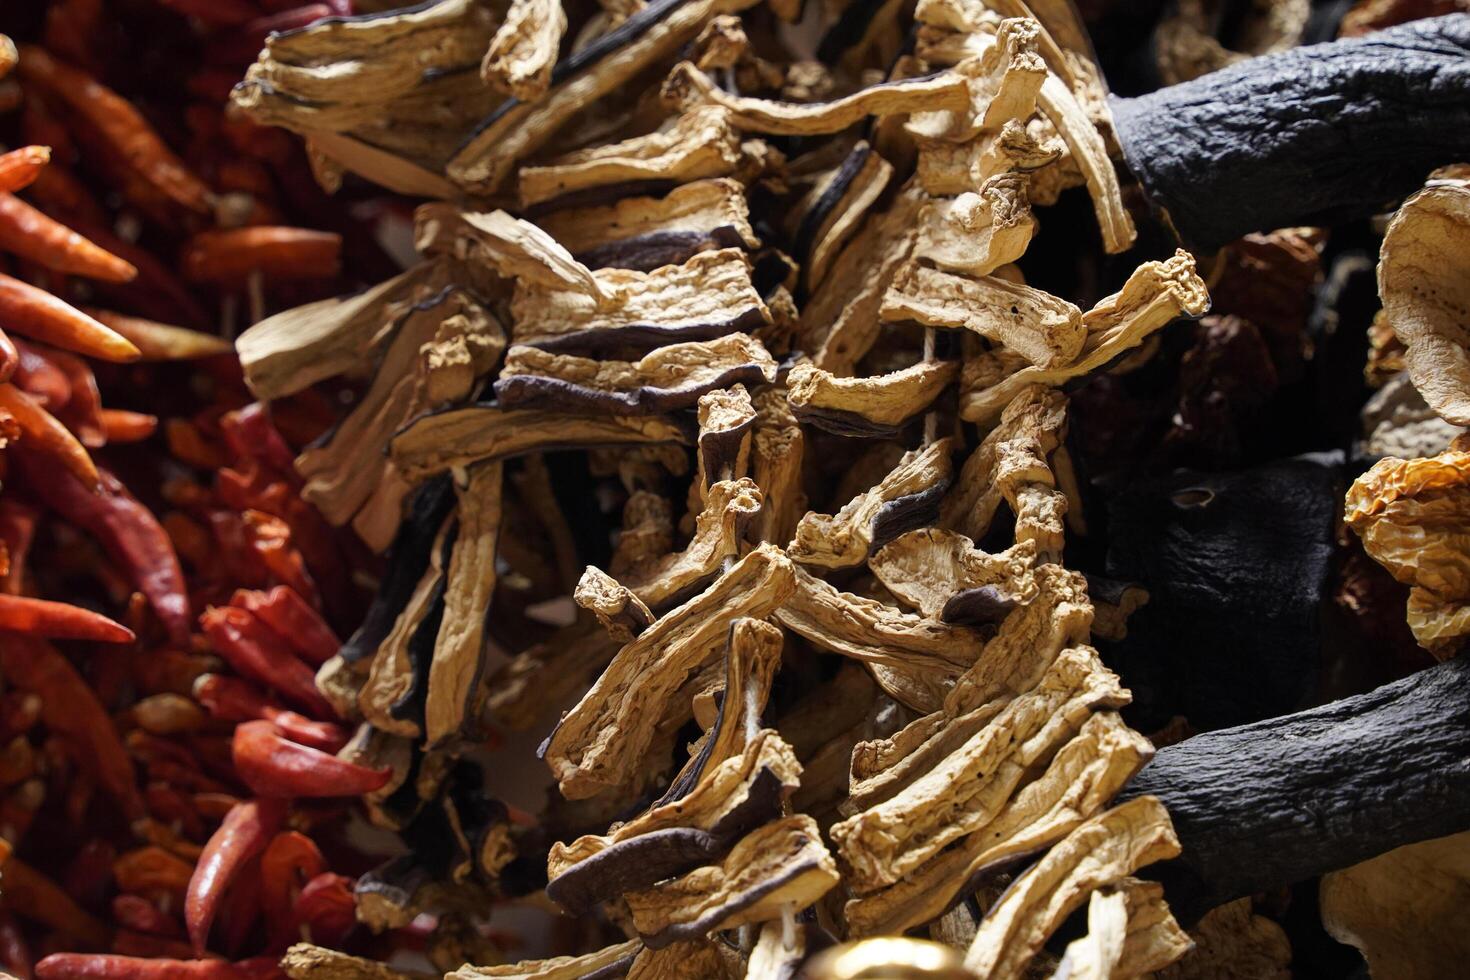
[[170, 801]]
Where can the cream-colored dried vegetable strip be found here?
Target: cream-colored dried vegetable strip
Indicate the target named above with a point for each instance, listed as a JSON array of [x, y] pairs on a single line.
[[1090, 154], [965, 791], [837, 229], [616, 607], [688, 86], [494, 150], [557, 968], [515, 247], [1130, 933], [713, 207], [1155, 294], [928, 567], [609, 726], [524, 49], [777, 449], [976, 233], [885, 400], [729, 507], [434, 443], [303, 961], [781, 863], [778, 952], [706, 959], [1101, 851], [903, 498], [1045, 329], [1077, 782]]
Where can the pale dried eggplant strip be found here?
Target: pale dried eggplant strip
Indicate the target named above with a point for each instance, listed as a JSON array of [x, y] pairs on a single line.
[[458, 660], [1078, 781], [777, 449], [619, 611], [1101, 851], [524, 49], [964, 792], [303, 961], [976, 233], [839, 210], [546, 675], [708, 296], [907, 497], [1090, 154], [687, 86], [557, 968], [777, 956], [664, 380], [726, 421], [869, 406], [441, 440], [1155, 294], [515, 247], [782, 863], [609, 725], [1154, 939], [930, 567], [729, 508], [1046, 330]]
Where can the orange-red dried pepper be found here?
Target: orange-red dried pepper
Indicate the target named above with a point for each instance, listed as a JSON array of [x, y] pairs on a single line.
[[9, 357], [270, 538], [119, 426], [272, 766], [91, 966], [19, 168], [82, 412], [151, 869], [162, 341], [228, 257], [234, 699], [15, 953], [63, 195], [140, 915], [39, 377], [32, 895], [118, 124], [58, 621], [242, 835], [44, 437], [35, 313], [28, 233], [326, 909], [301, 626], [254, 650], [289, 862]]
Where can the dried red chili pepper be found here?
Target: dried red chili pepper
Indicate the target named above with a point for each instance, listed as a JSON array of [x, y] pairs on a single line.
[[26, 232], [39, 377], [151, 869], [128, 531], [173, 806], [88, 876], [45, 438], [94, 966], [15, 953], [36, 313], [130, 943], [326, 909], [272, 766], [254, 649], [270, 538], [121, 426], [237, 700], [32, 895], [140, 915], [168, 714], [283, 610], [229, 257], [19, 168], [19, 712], [252, 434], [63, 195], [59, 621], [243, 834], [82, 412], [240, 909], [290, 861], [118, 124], [9, 357]]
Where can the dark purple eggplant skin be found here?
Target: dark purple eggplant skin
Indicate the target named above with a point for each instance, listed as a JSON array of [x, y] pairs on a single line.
[[1315, 135]]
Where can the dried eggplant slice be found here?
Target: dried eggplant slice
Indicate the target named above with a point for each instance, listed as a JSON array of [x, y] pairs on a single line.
[[1046, 330], [726, 420], [1155, 294], [664, 380], [966, 790], [524, 49], [709, 959], [644, 233], [907, 497], [442, 440], [1129, 932], [929, 569], [729, 508], [610, 725], [873, 406], [777, 449], [777, 955], [688, 87], [454, 672], [782, 863], [547, 675], [303, 961], [513, 246], [708, 296], [838, 209], [516, 129], [1101, 851], [978, 232], [613, 961], [616, 607], [1078, 782]]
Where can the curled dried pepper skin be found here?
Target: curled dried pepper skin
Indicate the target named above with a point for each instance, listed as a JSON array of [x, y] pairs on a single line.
[[272, 766], [44, 436], [228, 257], [19, 168], [59, 621], [242, 835], [283, 610], [140, 915], [35, 313], [254, 649], [28, 233]]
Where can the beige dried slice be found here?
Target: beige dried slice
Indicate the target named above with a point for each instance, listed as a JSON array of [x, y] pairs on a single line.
[[513, 246], [731, 711], [1101, 851], [1001, 62], [698, 216], [777, 449], [340, 683], [1155, 294], [616, 607], [929, 567], [870, 405], [524, 49], [1130, 932], [666, 379], [701, 143], [783, 863], [729, 508], [707, 296], [965, 791], [976, 233], [707, 959], [647, 532], [336, 153], [687, 87], [1090, 154], [496, 147], [303, 961], [1422, 278], [1045, 329], [537, 680], [455, 670], [556, 968], [858, 193], [609, 726], [726, 422], [1413, 517], [778, 952], [1110, 619], [437, 442], [1078, 782], [1231, 940], [907, 497], [1095, 956]]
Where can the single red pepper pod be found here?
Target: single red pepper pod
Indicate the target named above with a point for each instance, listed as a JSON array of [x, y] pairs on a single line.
[[243, 834], [58, 621], [272, 766], [256, 651], [301, 626], [101, 966], [327, 909], [291, 860], [234, 699]]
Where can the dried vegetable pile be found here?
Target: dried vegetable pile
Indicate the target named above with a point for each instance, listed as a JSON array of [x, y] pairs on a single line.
[[794, 419]]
